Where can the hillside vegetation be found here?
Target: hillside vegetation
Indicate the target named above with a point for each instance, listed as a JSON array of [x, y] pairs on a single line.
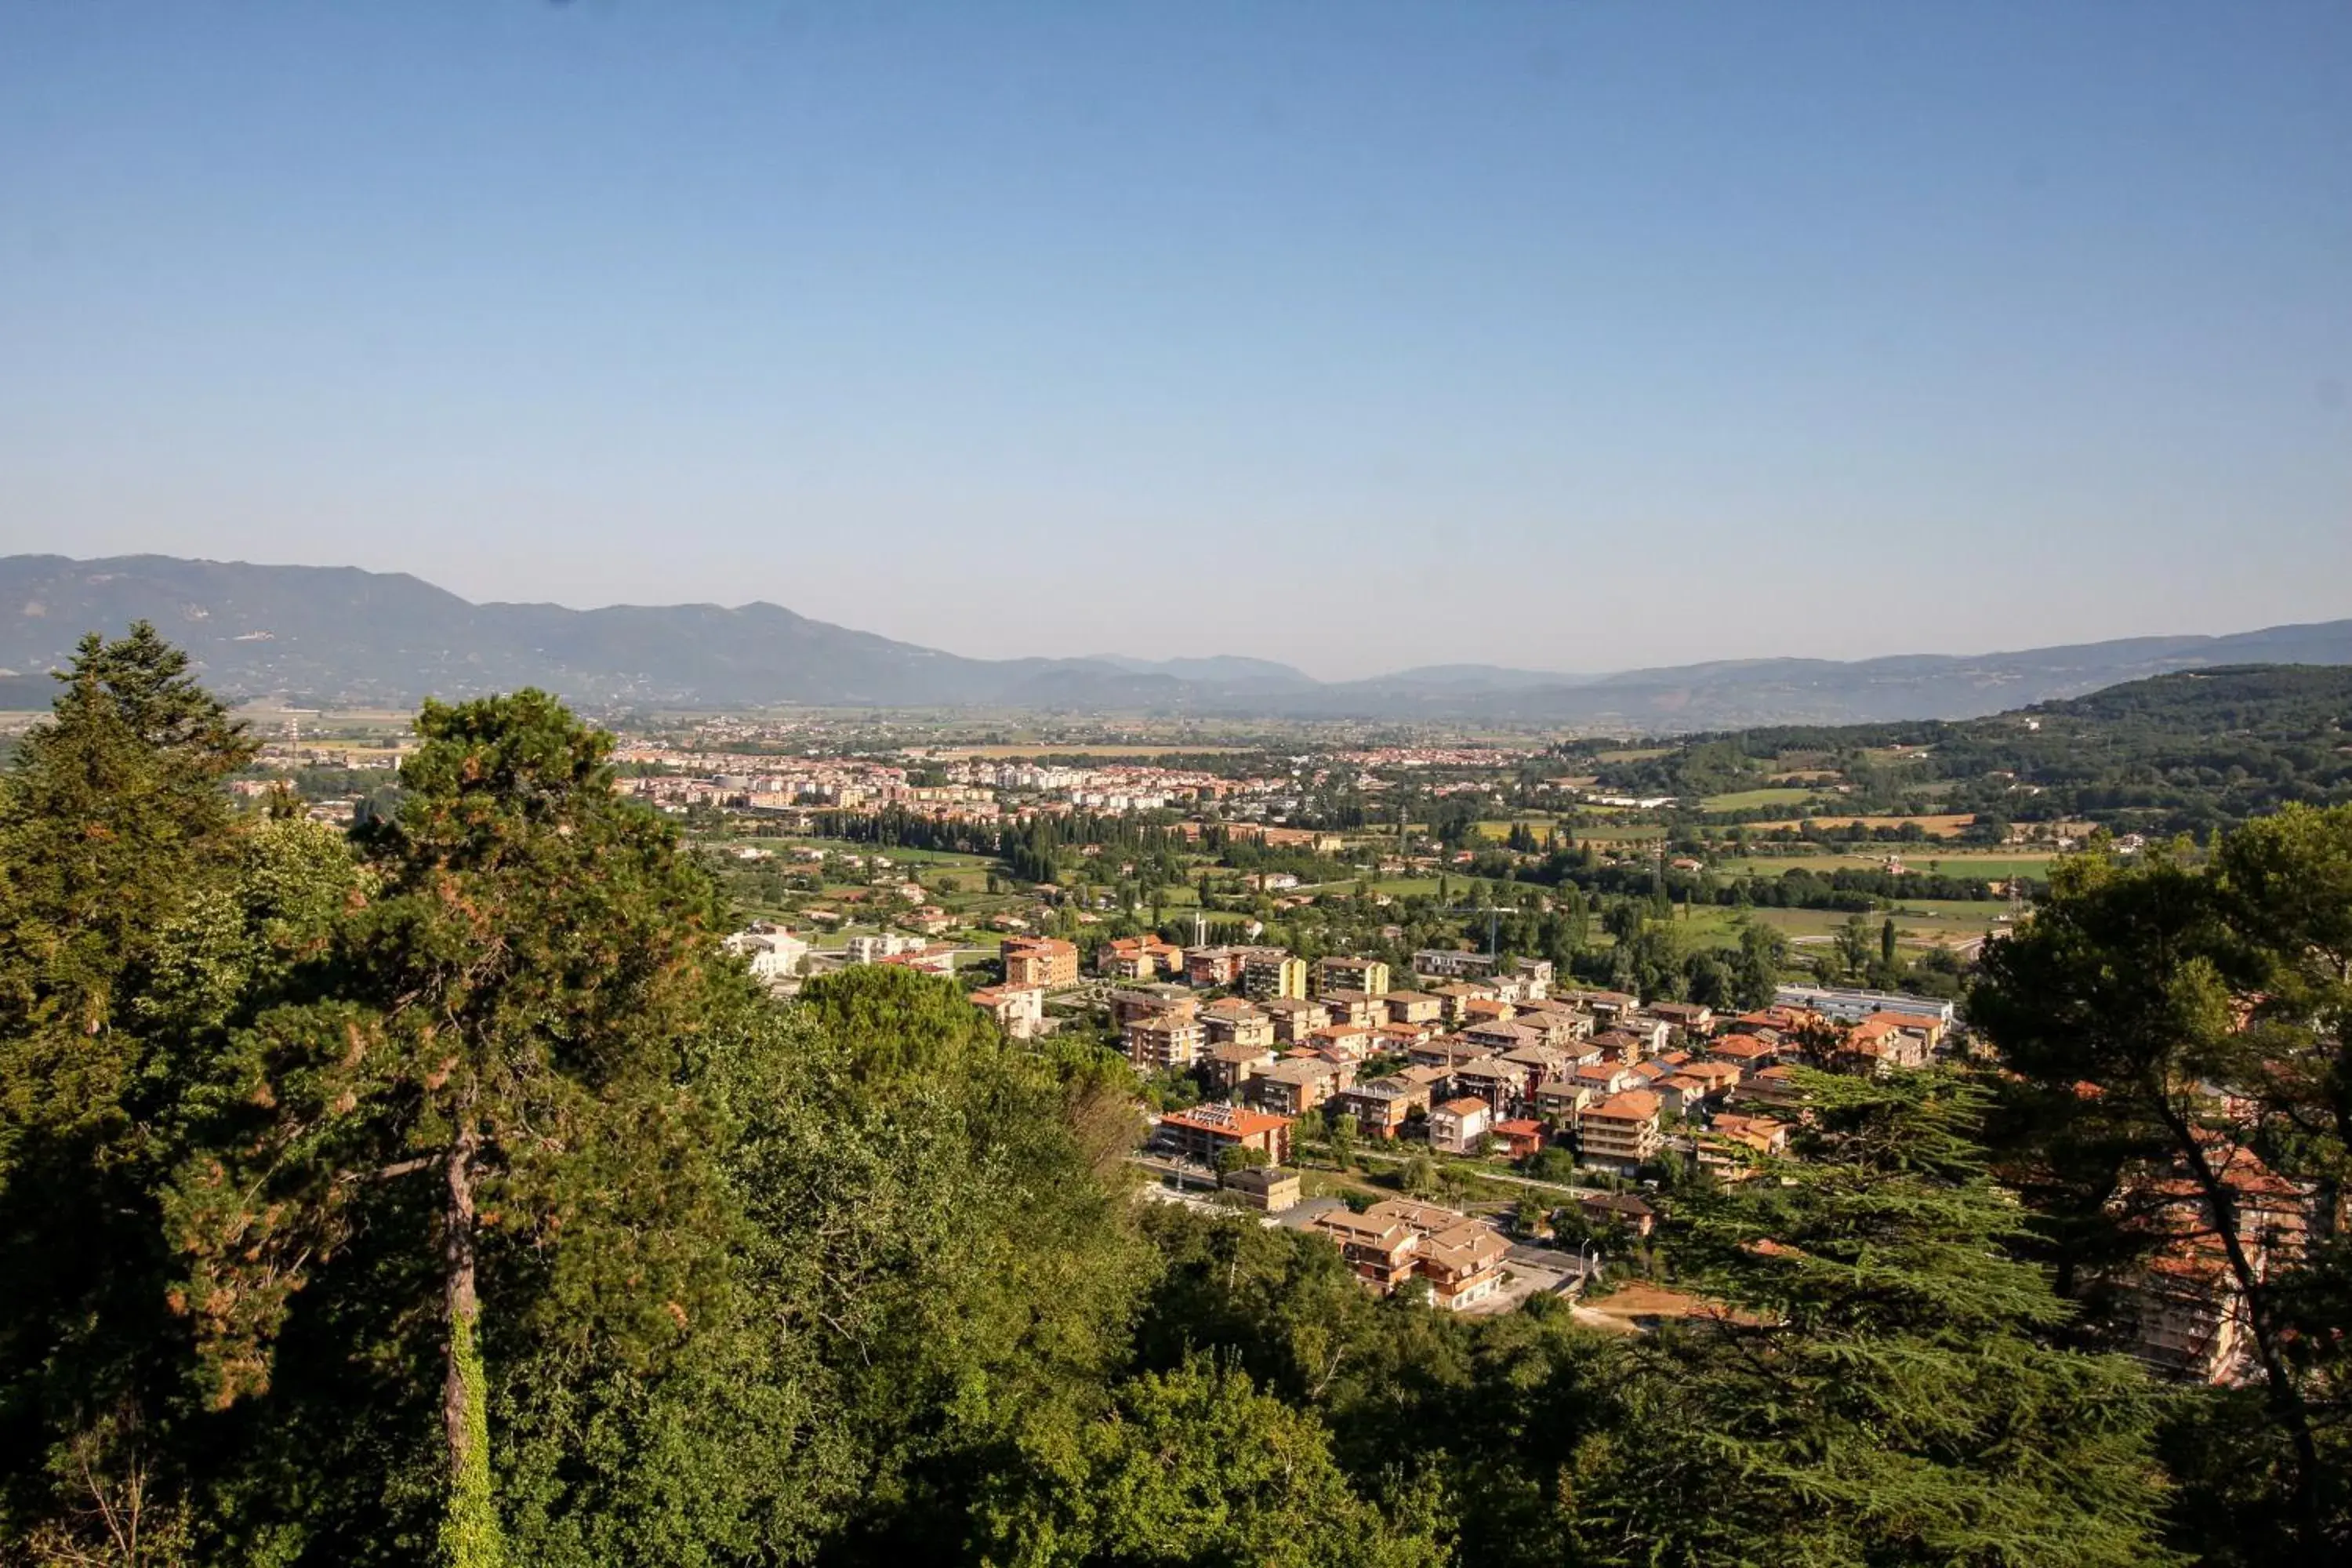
[[443, 1193]]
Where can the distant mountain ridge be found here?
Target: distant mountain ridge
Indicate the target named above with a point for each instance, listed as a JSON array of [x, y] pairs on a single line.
[[344, 637]]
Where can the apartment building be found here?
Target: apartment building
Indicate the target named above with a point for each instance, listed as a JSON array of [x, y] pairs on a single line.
[[1268, 977], [1041, 960], [1204, 1132], [1620, 1130], [1367, 975], [1165, 1041]]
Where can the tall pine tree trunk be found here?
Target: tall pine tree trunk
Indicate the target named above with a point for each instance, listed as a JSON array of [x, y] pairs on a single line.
[[469, 1532]]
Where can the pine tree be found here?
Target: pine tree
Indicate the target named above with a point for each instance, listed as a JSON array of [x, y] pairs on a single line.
[[513, 1018], [113, 829], [1878, 1384]]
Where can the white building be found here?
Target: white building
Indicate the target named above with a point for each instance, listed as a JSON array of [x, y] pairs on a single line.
[[774, 954], [1853, 1006]]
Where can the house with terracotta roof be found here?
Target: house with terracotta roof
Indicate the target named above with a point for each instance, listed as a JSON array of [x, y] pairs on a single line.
[[1744, 1051], [1139, 958], [1521, 1136], [1731, 1144], [1396, 1240]]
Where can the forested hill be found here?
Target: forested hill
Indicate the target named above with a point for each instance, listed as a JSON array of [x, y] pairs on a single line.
[[2180, 753]]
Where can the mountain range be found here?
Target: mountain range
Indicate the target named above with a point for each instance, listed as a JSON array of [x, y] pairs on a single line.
[[341, 636]]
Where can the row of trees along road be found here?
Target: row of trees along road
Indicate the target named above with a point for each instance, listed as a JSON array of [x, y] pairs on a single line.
[[443, 1193]]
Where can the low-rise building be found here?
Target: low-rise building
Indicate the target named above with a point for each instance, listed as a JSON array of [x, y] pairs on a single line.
[[1521, 1136], [1268, 1187], [1619, 1209], [1844, 1006], [1458, 1126], [1205, 1132], [1448, 963], [1020, 1009], [1132, 1002]]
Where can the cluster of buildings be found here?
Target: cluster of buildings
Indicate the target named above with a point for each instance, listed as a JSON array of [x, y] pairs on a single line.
[[1504, 1061]]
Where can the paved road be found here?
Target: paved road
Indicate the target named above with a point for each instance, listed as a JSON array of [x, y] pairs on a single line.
[[1484, 1175]]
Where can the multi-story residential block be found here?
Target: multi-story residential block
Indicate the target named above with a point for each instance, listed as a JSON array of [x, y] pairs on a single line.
[[1446, 963], [1268, 977], [1041, 960], [1234, 1022], [1731, 1145], [1295, 1018], [1559, 1100], [1229, 1066], [1365, 976], [1207, 966], [1165, 1041], [1139, 958], [1381, 1105], [1296, 1085], [1622, 1131], [1501, 1084], [1130, 1003], [1396, 1240], [1414, 1007]]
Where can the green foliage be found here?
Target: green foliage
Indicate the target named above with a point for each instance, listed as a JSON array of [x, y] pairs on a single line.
[[1880, 1389], [1191, 1466]]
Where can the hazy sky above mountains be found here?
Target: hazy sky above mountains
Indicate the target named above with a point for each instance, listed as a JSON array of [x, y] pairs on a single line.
[[1577, 335]]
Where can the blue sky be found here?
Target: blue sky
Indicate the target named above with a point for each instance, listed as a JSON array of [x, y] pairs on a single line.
[[1358, 334]]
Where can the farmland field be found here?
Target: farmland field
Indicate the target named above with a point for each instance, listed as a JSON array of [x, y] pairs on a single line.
[[1744, 799]]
